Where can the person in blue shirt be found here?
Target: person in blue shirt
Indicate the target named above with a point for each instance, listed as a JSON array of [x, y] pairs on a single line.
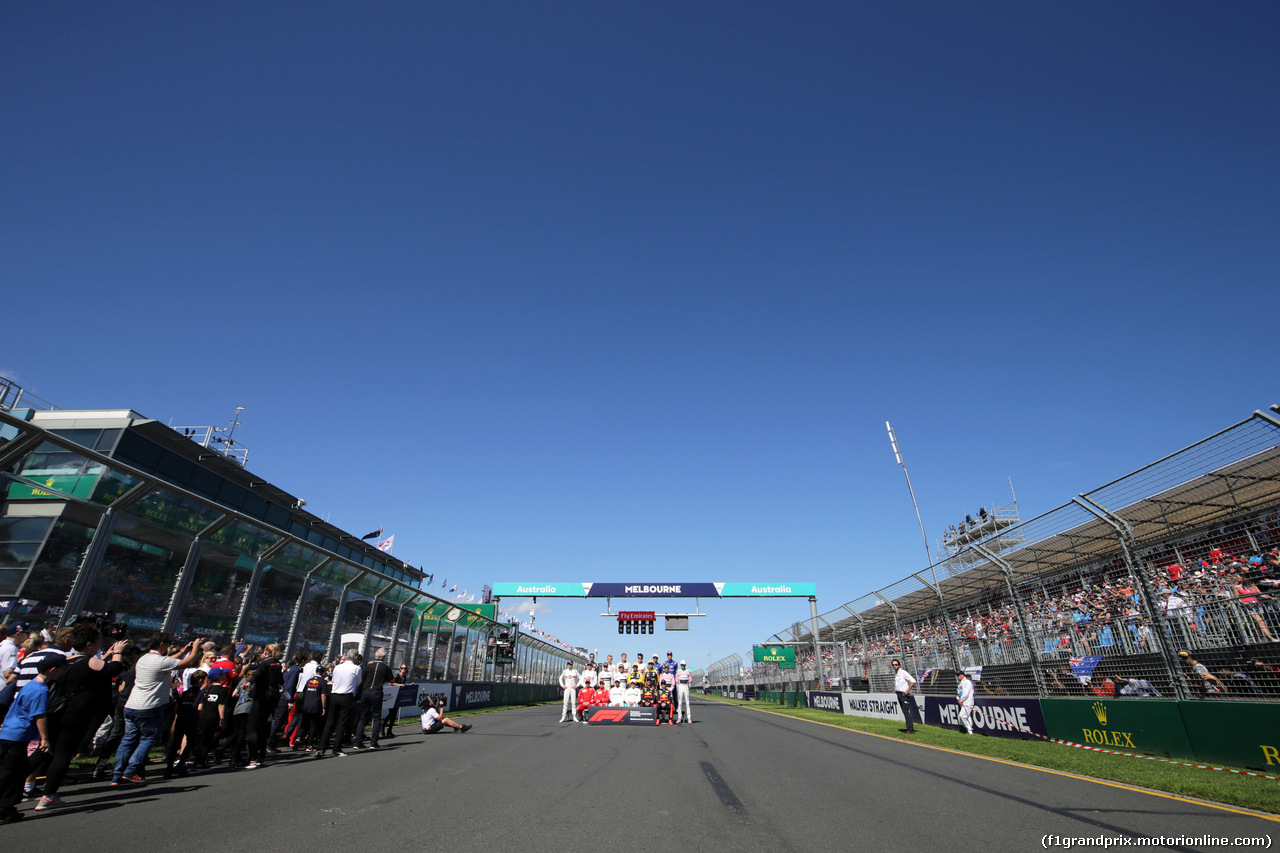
[[24, 723]]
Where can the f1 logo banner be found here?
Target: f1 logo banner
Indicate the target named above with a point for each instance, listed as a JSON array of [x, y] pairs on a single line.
[[1015, 718], [620, 716]]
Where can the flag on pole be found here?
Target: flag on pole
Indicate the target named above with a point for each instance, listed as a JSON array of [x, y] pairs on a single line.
[[385, 544], [374, 535]]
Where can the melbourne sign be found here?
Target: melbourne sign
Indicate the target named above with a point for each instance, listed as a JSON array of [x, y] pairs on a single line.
[[472, 695], [1015, 718], [825, 701], [654, 589]]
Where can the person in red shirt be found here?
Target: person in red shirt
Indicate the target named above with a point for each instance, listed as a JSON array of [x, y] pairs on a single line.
[[226, 661], [586, 699]]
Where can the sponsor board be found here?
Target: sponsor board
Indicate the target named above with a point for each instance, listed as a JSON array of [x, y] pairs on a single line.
[[435, 691], [824, 701], [621, 716], [652, 590], [472, 695], [1015, 718], [882, 706], [536, 588], [1152, 726], [390, 693], [752, 590], [406, 696]]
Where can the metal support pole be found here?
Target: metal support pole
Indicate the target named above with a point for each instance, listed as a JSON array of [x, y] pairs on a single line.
[[1023, 622], [395, 638], [946, 618], [182, 587], [862, 632], [817, 646], [251, 593], [897, 625], [1128, 548], [88, 571]]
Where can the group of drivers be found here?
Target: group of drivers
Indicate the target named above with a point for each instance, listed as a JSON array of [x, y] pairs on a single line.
[[662, 686]]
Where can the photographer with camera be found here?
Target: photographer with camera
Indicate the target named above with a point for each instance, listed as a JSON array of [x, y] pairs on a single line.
[[144, 712]]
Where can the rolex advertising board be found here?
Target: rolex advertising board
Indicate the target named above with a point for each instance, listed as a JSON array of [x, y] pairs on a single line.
[[1244, 734], [1152, 726], [783, 656]]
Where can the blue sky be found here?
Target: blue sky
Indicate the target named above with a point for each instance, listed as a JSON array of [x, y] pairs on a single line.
[[626, 291]]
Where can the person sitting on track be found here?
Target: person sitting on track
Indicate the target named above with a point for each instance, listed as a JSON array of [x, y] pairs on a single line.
[[435, 720]]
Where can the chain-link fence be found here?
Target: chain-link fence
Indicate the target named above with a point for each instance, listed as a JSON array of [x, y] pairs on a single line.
[[1165, 582]]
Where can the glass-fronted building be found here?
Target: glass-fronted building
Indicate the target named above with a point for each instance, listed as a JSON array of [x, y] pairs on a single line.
[[112, 513]]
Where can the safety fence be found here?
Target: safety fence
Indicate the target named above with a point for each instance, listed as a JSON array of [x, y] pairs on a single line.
[[1234, 733], [1163, 583]]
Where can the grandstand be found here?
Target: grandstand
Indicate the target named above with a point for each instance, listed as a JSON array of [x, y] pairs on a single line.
[[1096, 597], [116, 514]]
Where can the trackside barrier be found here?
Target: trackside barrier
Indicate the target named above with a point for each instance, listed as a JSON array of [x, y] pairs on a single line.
[[1153, 726], [1245, 735]]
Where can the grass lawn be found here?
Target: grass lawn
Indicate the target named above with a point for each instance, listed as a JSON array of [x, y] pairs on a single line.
[[1213, 785]]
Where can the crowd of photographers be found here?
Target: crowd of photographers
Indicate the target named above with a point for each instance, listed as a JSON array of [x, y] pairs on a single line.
[[663, 686], [87, 691]]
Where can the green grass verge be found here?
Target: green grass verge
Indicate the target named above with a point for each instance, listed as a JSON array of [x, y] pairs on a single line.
[[1227, 788]]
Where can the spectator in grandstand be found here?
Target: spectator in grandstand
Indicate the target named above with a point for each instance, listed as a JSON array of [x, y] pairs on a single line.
[[1135, 687], [1200, 679], [1251, 601], [435, 720], [903, 681]]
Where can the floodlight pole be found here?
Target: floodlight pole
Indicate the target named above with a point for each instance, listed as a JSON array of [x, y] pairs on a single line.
[[897, 454]]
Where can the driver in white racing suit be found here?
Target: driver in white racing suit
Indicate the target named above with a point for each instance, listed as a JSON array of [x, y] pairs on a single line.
[[569, 680], [683, 679]]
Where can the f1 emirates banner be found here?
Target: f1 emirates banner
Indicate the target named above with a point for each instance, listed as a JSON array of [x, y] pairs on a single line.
[[651, 589], [1002, 717]]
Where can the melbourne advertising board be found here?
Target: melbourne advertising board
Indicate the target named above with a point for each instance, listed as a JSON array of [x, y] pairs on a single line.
[[654, 589], [1003, 717]]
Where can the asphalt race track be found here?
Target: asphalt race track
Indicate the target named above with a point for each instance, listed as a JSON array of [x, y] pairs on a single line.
[[737, 779]]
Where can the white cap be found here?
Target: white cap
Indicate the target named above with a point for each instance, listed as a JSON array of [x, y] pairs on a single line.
[[682, 663]]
